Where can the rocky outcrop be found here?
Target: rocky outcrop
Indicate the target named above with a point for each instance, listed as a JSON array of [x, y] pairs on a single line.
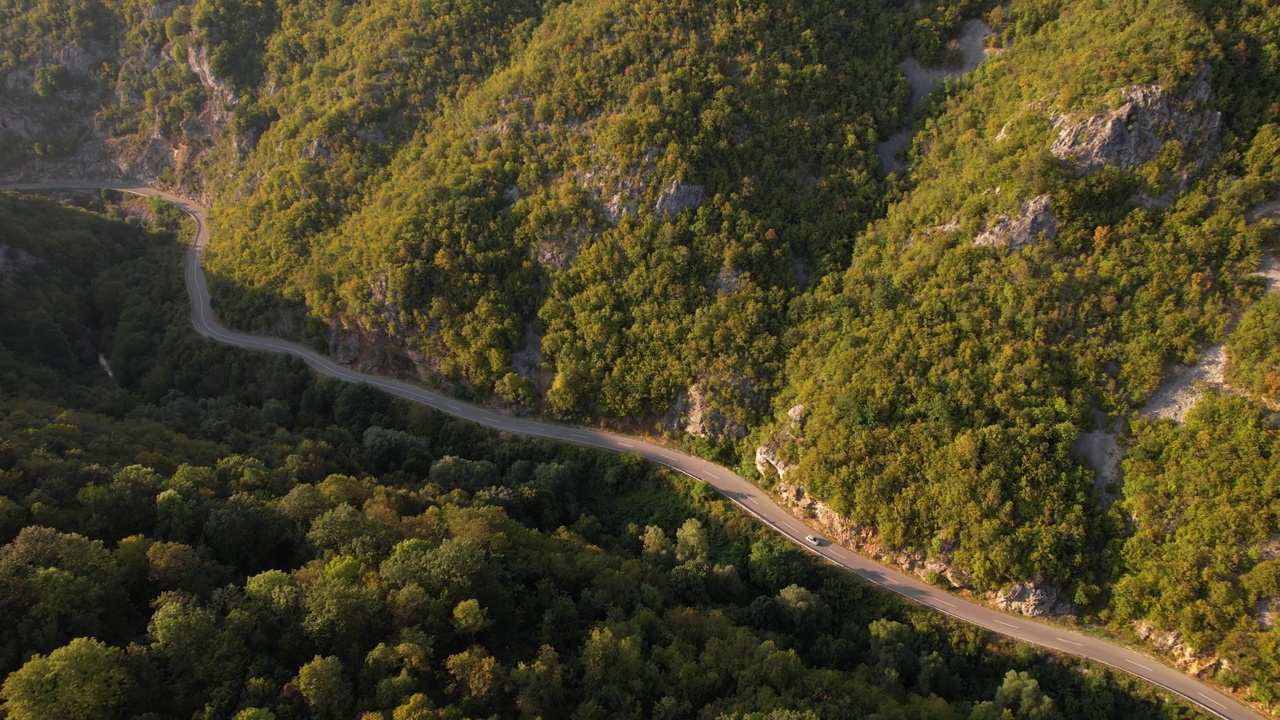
[[527, 361], [617, 191], [969, 48], [697, 415], [677, 197], [1035, 222], [1132, 133], [769, 454], [865, 540], [1184, 385], [1034, 599], [1184, 656], [1269, 210], [1269, 550]]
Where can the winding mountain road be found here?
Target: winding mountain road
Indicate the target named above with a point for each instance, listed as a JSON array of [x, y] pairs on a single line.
[[743, 493]]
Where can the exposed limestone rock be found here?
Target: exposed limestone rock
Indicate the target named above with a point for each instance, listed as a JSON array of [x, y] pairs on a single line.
[[1132, 134], [106, 366], [970, 48], [1033, 599], [703, 419], [769, 453], [768, 458], [865, 540], [351, 345], [286, 322], [676, 197], [198, 61], [1269, 550], [1184, 385], [618, 191], [1269, 210], [796, 414], [1034, 223], [559, 251], [1184, 656]]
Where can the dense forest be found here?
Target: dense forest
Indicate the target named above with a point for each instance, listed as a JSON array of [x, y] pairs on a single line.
[[263, 543], [672, 217]]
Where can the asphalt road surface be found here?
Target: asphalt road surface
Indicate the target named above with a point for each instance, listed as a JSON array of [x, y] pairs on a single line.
[[739, 490]]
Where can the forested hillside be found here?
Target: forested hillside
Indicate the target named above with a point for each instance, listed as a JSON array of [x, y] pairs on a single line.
[[672, 217], [247, 540]]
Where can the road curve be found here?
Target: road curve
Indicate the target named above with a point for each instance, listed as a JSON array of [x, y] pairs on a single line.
[[740, 491]]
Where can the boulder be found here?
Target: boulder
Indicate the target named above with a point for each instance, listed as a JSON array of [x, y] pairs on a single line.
[[1132, 133], [1034, 223]]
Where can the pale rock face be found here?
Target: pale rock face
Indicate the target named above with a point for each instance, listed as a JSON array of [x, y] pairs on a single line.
[[707, 421], [864, 539], [1033, 599], [768, 454], [1132, 134], [1034, 223], [676, 197], [1184, 656]]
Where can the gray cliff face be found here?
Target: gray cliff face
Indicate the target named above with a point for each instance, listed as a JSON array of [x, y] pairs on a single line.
[[676, 197], [1132, 133], [1034, 223]]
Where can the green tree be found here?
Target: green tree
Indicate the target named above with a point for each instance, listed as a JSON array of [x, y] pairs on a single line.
[[469, 617], [83, 680], [325, 688], [692, 546]]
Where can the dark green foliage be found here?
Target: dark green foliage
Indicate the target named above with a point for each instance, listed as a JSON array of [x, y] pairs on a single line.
[[271, 574], [461, 184], [1205, 503]]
